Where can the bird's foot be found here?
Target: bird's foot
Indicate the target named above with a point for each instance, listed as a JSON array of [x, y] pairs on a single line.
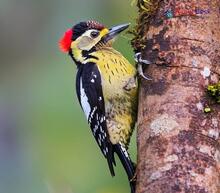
[[141, 62], [134, 178]]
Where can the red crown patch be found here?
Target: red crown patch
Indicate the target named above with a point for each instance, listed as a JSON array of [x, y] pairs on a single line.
[[65, 41]]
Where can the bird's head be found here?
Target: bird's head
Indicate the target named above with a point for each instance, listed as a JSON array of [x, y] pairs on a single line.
[[85, 37]]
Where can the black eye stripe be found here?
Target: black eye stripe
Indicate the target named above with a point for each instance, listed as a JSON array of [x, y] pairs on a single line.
[[94, 34]]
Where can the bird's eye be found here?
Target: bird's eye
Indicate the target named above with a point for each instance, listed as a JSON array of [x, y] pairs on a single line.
[[94, 34]]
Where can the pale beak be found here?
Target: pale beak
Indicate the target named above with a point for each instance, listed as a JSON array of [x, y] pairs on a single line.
[[114, 31]]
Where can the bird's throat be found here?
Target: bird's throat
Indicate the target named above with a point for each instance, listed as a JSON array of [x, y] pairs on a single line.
[[77, 55]]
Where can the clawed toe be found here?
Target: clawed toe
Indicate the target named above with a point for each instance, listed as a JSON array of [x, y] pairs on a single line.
[[134, 179], [138, 59], [140, 62], [141, 73]]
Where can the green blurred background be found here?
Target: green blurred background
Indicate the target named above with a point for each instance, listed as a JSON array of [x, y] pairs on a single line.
[[45, 143]]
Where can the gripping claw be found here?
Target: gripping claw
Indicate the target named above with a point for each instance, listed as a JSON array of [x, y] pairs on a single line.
[[140, 62]]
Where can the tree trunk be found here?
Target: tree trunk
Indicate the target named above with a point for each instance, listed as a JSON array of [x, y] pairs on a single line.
[[178, 142]]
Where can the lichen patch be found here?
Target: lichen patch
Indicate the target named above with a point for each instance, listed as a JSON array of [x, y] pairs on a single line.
[[163, 124], [166, 167], [155, 175], [199, 106], [194, 63], [213, 133], [206, 72], [205, 149], [171, 158]]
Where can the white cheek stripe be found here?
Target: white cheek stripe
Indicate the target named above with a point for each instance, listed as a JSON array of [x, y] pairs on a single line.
[[84, 101]]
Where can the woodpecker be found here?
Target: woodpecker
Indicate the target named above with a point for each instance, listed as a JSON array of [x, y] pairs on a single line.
[[106, 87]]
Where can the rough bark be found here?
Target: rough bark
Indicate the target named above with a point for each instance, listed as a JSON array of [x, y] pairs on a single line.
[[178, 143]]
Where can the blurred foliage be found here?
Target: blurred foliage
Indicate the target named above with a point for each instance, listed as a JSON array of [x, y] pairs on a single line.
[[45, 143]]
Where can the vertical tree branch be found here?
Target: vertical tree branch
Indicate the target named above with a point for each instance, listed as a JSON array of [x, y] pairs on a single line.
[[178, 143]]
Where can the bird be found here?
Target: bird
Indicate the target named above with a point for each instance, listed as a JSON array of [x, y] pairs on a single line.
[[106, 87]]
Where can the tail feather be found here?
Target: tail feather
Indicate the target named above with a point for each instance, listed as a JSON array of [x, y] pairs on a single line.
[[127, 164], [111, 160]]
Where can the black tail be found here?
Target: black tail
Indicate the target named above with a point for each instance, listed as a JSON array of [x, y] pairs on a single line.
[[127, 164], [111, 160]]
